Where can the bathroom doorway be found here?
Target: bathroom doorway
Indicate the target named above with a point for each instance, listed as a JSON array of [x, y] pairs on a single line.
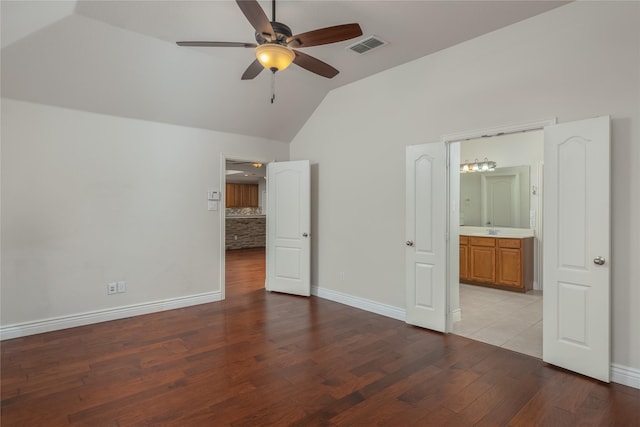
[[500, 204]]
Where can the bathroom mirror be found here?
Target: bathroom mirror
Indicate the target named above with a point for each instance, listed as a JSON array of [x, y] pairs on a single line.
[[498, 198]]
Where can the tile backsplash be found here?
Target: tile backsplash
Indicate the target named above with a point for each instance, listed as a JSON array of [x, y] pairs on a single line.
[[243, 211]]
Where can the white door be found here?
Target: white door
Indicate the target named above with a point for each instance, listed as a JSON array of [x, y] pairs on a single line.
[[501, 207], [576, 247], [288, 228], [426, 228]]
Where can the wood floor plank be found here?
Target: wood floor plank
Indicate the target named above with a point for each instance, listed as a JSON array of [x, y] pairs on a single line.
[[261, 358]]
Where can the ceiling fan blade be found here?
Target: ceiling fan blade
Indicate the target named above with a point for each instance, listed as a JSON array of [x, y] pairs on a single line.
[[325, 35], [314, 65], [253, 70], [217, 44], [256, 17]]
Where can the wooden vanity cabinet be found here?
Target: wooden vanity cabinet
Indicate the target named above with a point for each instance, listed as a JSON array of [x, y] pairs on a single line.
[[482, 259], [505, 263], [515, 263], [464, 258]]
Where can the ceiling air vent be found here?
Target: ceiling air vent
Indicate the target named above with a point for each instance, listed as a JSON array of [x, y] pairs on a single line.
[[367, 45]]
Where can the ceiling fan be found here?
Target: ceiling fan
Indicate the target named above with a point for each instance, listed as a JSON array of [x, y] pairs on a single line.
[[275, 43], [255, 164]]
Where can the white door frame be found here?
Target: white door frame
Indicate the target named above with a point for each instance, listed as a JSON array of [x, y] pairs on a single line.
[[453, 164], [222, 209]]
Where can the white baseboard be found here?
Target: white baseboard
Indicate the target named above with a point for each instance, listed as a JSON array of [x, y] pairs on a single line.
[[625, 375], [361, 303], [18, 330]]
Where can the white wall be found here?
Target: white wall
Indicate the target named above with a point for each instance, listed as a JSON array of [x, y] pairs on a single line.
[[89, 199], [578, 61]]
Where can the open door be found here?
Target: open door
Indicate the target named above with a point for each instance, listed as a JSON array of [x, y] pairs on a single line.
[[426, 228], [288, 228], [576, 247]]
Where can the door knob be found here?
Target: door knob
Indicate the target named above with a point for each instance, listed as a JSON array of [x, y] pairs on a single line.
[[598, 260], [305, 235], [409, 243]]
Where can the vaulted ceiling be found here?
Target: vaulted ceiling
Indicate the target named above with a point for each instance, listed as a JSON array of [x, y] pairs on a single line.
[[120, 57]]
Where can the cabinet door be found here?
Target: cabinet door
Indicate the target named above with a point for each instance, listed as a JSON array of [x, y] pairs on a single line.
[[464, 262], [230, 196], [237, 190], [482, 263], [510, 267], [245, 195], [250, 195], [253, 195]]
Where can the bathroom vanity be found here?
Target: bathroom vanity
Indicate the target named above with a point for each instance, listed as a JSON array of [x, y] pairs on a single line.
[[497, 261]]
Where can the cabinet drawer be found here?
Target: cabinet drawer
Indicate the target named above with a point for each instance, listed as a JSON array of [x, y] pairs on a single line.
[[482, 241], [464, 240], [509, 243]]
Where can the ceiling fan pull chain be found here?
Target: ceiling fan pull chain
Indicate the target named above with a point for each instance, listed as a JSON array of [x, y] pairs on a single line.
[[273, 87]]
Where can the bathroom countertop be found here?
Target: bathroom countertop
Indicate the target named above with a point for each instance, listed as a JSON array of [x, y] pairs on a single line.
[[506, 233]]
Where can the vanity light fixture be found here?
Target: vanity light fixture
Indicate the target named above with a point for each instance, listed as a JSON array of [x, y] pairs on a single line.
[[257, 165], [478, 166]]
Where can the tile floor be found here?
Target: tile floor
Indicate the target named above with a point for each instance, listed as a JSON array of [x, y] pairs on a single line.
[[502, 318]]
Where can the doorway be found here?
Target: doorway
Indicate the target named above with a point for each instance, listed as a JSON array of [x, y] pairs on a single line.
[[576, 258], [502, 204], [243, 226]]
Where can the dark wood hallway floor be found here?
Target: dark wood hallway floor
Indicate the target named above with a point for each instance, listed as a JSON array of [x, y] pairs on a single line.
[[260, 359]]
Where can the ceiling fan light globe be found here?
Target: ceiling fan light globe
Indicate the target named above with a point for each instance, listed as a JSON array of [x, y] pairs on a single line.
[[274, 56]]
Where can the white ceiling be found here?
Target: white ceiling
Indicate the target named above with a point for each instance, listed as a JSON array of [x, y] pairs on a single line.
[[245, 172], [120, 57]]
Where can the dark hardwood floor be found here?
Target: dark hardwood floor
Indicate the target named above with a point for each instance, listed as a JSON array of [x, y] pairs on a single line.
[[262, 358]]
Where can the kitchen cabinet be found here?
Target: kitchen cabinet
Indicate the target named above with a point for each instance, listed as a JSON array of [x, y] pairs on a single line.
[[241, 195], [505, 263]]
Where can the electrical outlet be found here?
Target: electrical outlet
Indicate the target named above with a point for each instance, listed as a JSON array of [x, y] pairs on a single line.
[[112, 288], [122, 286]]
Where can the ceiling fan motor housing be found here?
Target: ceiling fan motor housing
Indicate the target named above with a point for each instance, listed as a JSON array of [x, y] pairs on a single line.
[[282, 32]]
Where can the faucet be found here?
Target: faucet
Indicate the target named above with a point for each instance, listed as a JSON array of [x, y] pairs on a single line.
[[492, 231]]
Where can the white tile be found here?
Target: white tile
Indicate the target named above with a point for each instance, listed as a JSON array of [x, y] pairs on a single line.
[[502, 318], [528, 342]]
